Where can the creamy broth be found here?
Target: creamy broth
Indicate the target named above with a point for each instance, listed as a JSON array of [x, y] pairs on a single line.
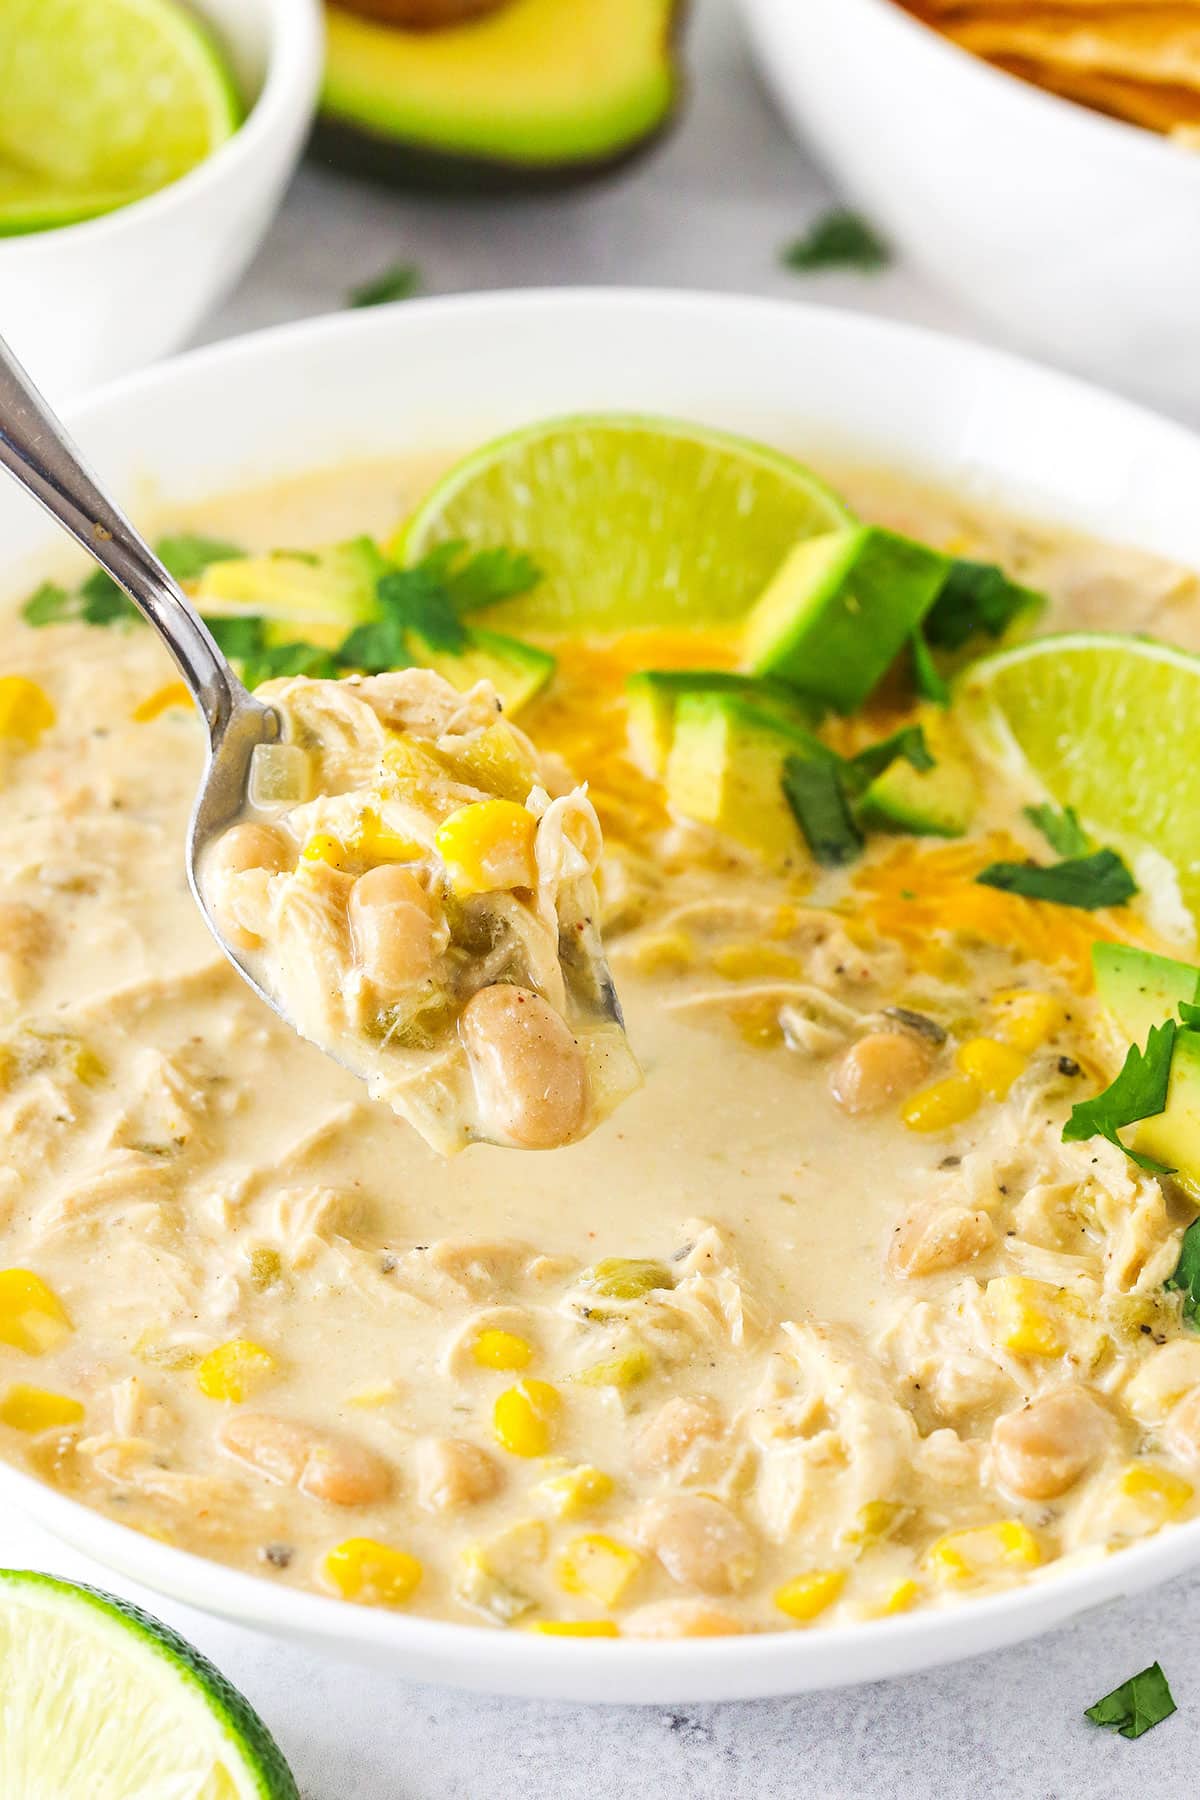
[[275, 1321]]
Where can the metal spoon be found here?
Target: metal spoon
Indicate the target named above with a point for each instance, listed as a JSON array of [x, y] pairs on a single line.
[[38, 453]]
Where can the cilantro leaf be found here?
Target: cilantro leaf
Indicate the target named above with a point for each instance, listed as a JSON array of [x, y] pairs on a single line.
[[488, 577], [418, 602], [908, 742], [1138, 1092], [274, 660], [104, 603], [927, 679], [48, 604], [1185, 1277], [238, 637], [1100, 879], [186, 554], [839, 239], [814, 789], [1061, 830], [976, 598], [377, 646], [1139, 1703], [399, 282]]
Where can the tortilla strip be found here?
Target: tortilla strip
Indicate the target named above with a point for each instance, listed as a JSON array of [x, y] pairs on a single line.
[[1154, 105], [1158, 45]]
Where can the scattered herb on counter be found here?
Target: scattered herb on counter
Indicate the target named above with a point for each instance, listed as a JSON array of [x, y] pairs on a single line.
[[1143, 1701], [1090, 882], [399, 282], [840, 239], [927, 678], [977, 599], [1138, 1092], [1061, 830], [1185, 1277], [816, 792]]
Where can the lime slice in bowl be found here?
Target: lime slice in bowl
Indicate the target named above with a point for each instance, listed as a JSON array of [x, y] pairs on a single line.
[[1103, 723], [102, 1702], [633, 521], [102, 102]]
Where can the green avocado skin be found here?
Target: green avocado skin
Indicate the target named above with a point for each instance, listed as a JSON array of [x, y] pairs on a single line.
[[397, 162], [1139, 989]]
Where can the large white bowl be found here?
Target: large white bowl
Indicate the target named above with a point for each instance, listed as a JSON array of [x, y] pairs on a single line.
[[1076, 234], [445, 374], [90, 301]]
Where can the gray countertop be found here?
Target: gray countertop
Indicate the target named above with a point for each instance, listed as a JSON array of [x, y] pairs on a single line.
[[711, 209]]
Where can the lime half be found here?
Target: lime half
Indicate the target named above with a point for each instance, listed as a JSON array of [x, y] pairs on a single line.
[[634, 521], [98, 1701], [102, 102], [1105, 724]]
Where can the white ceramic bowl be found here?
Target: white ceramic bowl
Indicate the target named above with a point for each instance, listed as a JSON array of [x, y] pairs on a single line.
[[1074, 233], [446, 374], [91, 301]]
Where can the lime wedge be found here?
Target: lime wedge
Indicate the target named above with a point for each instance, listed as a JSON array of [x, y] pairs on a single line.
[[101, 1702], [1103, 723], [102, 102], [634, 521]]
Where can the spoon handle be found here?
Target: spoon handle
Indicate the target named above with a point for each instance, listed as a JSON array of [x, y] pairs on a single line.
[[36, 450]]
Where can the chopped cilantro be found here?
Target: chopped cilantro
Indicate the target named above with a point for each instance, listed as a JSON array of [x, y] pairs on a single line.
[[908, 742], [839, 239], [1100, 879], [103, 602], [1061, 830], [400, 282], [47, 605], [1138, 1092], [186, 554], [487, 577], [975, 598], [238, 637], [274, 660], [1185, 1277], [927, 678], [816, 793], [1138, 1704]]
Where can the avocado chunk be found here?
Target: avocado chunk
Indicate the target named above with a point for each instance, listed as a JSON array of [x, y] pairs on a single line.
[[840, 609], [652, 695], [726, 770], [532, 92], [1139, 989], [517, 671], [314, 595], [937, 802]]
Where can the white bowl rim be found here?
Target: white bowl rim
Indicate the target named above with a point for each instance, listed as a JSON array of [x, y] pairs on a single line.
[[635, 1671], [1103, 126], [293, 69]]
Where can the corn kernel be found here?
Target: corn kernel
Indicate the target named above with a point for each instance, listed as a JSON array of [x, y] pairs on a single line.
[[375, 841], [902, 1597], [488, 846], [1019, 1308], [622, 1371], [585, 1628], [524, 1416], [1026, 1019], [36, 1409], [666, 953], [947, 1102], [25, 709], [599, 1567], [872, 1522], [322, 846], [234, 1370], [1157, 1490], [371, 1573], [575, 1491], [807, 1595], [993, 1065], [31, 1315], [756, 962], [501, 1350], [161, 701], [960, 1555]]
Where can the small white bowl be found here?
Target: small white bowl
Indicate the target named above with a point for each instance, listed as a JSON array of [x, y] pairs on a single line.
[[89, 301], [1075, 233], [441, 375]]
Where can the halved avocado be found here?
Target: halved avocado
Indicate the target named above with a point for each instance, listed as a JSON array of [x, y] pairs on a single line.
[[530, 92]]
